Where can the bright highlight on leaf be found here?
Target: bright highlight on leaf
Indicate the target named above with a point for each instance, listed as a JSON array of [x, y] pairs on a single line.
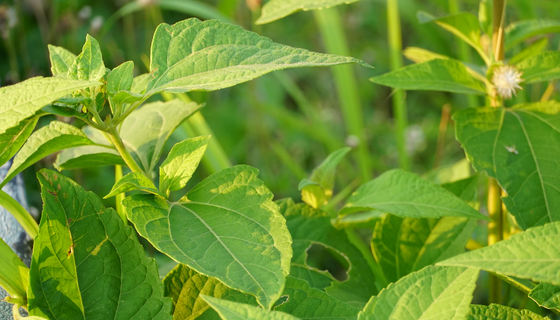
[[238, 311], [133, 181], [546, 295], [14, 277], [405, 194], [278, 9], [441, 293], [498, 312], [226, 227], [211, 55], [533, 254]]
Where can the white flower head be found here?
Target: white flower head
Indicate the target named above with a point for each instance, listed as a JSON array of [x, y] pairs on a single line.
[[506, 79]]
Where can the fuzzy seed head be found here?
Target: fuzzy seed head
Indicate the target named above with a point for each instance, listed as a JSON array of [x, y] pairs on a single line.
[[506, 79]]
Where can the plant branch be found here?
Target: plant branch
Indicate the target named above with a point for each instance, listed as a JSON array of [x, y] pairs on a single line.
[[120, 197], [117, 142]]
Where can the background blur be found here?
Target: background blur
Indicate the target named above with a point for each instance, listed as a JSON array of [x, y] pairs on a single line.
[[284, 123]]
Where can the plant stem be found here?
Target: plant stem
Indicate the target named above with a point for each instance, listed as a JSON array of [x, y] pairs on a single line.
[[117, 142], [495, 233], [498, 14], [20, 214], [399, 99], [332, 33], [120, 197]]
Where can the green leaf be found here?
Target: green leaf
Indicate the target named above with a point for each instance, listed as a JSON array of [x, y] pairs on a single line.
[[89, 156], [86, 263], [309, 303], [522, 30], [226, 227], [441, 293], [146, 130], [133, 181], [120, 78], [546, 295], [437, 75], [405, 245], [13, 138], [61, 60], [405, 194], [533, 254], [140, 83], [310, 226], [318, 189], [463, 25], [513, 145], [365, 219], [238, 311], [499, 312], [419, 55], [14, 277], [47, 140], [182, 161], [278, 9], [211, 55], [184, 285], [531, 50], [23, 100], [544, 66], [88, 65]]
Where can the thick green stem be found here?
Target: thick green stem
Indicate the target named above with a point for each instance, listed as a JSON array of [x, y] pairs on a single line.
[[20, 214], [120, 197], [399, 100], [117, 142], [494, 233], [334, 39]]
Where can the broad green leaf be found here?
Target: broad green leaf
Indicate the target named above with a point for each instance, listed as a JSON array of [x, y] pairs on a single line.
[[533, 49], [89, 156], [88, 65], [184, 285], [405, 194], [14, 277], [86, 263], [23, 100], [449, 173], [238, 311], [211, 55], [310, 226], [140, 83], [513, 145], [13, 139], [120, 78], [522, 30], [544, 66], [226, 227], [278, 9], [442, 293], [404, 245], [546, 295], [436, 75], [146, 130], [318, 189], [463, 25], [61, 60], [533, 254], [182, 161], [419, 55], [47, 140], [499, 312], [133, 181], [308, 303], [365, 219]]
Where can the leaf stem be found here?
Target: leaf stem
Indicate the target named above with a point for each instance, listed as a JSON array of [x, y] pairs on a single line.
[[495, 233], [20, 214], [332, 33], [117, 142], [120, 197], [399, 97]]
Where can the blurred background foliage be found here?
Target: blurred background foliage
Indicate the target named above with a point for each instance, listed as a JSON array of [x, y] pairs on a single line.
[[284, 123]]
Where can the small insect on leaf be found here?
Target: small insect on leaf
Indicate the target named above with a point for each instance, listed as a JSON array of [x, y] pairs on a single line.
[[512, 149], [70, 250]]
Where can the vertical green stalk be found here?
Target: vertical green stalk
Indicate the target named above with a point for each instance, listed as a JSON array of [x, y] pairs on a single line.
[[119, 197], [399, 100], [332, 33], [117, 142], [20, 214], [494, 233]]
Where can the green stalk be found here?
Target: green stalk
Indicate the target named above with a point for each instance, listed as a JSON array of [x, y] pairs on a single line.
[[120, 197], [215, 158], [332, 33], [20, 214], [494, 233], [117, 142], [399, 100]]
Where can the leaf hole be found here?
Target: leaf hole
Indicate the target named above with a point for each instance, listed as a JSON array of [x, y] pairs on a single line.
[[326, 259]]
